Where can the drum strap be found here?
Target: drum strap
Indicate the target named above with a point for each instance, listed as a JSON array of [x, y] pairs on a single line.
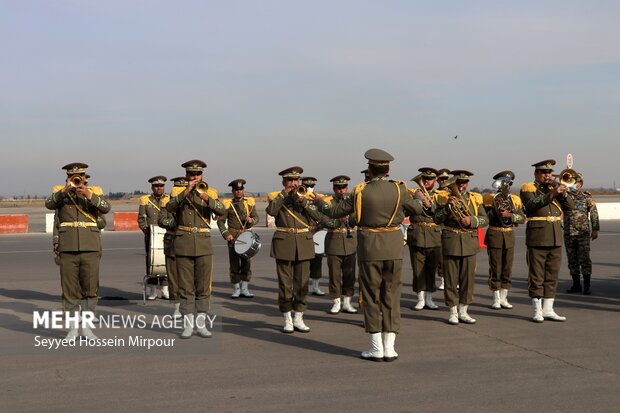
[[295, 216], [86, 214], [232, 205], [199, 214]]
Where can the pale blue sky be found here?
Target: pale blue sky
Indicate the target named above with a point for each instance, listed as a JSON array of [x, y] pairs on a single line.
[[135, 88]]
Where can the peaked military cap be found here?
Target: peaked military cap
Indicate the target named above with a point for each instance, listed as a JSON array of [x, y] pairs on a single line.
[[75, 168], [378, 157], [509, 174], [237, 184], [340, 180], [158, 180], [195, 165], [294, 172], [443, 173], [546, 165], [462, 175], [180, 181], [308, 180], [428, 173]]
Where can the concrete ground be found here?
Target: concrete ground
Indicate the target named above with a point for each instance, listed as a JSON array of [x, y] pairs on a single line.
[[502, 363]]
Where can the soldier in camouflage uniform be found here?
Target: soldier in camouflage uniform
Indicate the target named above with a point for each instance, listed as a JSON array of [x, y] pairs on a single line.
[[577, 236]]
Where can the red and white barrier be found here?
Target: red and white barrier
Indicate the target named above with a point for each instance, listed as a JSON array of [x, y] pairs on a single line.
[[13, 223], [126, 221]]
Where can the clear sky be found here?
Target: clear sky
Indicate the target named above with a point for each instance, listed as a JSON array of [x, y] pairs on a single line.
[[135, 88]]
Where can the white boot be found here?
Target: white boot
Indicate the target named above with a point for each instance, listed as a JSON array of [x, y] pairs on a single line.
[[496, 300], [315, 287], [236, 291], [428, 300], [547, 310], [441, 284], [188, 326], [74, 331], [165, 292], [298, 323], [389, 354], [152, 292], [376, 348], [538, 317], [503, 298], [336, 307], [177, 312], [244, 290], [463, 316], [201, 325], [420, 304], [86, 331], [454, 316], [288, 323], [347, 307]]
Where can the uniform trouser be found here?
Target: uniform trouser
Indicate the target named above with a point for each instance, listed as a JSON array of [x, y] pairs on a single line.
[[578, 253], [500, 268], [459, 278], [440, 264], [543, 271], [292, 285], [79, 279], [239, 266], [424, 262], [147, 248], [381, 283], [341, 275], [173, 278], [316, 267], [194, 283]]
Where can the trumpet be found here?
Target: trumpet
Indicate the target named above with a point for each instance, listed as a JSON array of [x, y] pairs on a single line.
[[568, 178], [301, 191], [76, 181], [458, 209], [201, 187]]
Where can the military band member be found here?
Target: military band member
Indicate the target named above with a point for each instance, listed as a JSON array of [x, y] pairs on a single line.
[[148, 213], [240, 216], [543, 203], [316, 265], [292, 246], [168, 221], [341, 250], [379, 206], [442, 176], [580, 226], [424, 241], [505, 212], [461, 214], [79, 242], [193, 206]]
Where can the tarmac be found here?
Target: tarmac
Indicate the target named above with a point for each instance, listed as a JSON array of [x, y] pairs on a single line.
[[504, 362]]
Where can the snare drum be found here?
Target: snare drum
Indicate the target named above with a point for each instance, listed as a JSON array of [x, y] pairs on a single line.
[[157, 259], [319, 242], [247, 244]]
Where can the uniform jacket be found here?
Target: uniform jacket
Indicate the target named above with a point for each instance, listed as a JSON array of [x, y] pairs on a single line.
[[167, 220], [544, 225], [71, 207], [149, 209], [456, 241], [577, 222], [289, 214], [379, 206], [423, 232], [236, 213], [336, 241], [497, 238], [192, 212]]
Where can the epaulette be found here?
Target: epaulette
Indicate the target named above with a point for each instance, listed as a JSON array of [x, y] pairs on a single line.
[[310, 197], [487, 199], [272, 195], [144, 199], [399, 182], [412, 191], [57, 188], [516, 201], [97, 190], [176, 190], [477, 197], [251, 200], [528, 187], [212, 193], [328, 199], [359, 188], [227, 202], [164, 200], [441, 197]]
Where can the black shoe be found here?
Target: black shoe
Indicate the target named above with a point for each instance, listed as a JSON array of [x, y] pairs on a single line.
[[574, 289], [587, 291]]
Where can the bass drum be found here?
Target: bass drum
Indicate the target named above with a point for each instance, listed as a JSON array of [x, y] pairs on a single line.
[[247, 244], [157, 259], [403, 229], [319, 242]]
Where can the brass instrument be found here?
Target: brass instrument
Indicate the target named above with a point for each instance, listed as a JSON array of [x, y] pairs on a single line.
[[501, 200], [301, 191], [458, 209], [419, 180], [201, 187], [568, 177], [76, 181]]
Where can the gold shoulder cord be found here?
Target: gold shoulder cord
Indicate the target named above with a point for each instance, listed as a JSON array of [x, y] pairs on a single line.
[[86, 214], [358, 203], [198, 212], [295, 216], [232, 205], [397, 205], [156, 207]]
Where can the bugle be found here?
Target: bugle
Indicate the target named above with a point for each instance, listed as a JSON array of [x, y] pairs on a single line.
[[76, 181], [201, 187]]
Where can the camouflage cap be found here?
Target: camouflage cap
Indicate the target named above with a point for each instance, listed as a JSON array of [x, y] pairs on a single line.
[[378, 157], [428, 173], [180, 181], [509, 174], [462, 175], [340, 180], [294, 172], [237, 184], [158, 180], [546, 165], [195, 165], [75, 168]]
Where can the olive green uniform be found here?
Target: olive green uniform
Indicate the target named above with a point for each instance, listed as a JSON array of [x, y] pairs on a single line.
[[424, 241], [148, 214], [543, 236], [167, 221], [79, 245], [192, 247]]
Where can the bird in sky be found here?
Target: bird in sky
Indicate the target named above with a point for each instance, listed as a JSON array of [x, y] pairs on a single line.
[[456, 136]]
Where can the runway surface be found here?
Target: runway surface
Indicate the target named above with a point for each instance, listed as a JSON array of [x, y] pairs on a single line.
[[502, 363]]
